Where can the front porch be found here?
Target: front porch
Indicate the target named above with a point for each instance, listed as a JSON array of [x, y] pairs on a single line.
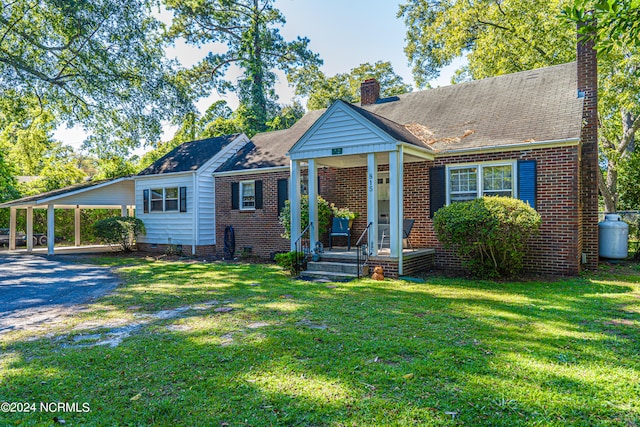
[[341, 264], [347, 138]]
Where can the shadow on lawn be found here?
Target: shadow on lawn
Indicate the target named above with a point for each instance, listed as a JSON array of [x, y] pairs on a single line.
[[364, 353]]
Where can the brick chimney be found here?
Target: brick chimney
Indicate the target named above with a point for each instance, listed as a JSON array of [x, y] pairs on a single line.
[[369, 92], [588, 184]]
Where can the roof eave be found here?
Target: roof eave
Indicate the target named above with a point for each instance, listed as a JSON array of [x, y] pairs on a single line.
[[566, 142]]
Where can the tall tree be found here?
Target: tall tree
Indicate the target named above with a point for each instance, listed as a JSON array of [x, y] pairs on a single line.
[[611, 23], [505, 36], [248, 30], [323, 91], [98, 63]]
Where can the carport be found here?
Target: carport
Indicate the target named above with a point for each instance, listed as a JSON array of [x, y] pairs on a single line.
[[111, 194]]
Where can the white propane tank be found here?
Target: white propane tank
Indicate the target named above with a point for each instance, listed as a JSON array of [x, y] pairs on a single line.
[[613, 234]]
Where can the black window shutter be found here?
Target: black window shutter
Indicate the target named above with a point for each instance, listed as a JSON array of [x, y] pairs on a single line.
[[318, 189], [527, 186], [258, 194], [183, 199], [437, 189], [145, 201], [283, 193], [235, 195]]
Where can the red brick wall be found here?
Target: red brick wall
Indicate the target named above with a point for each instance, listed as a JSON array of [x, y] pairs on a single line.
[[259, 229], [554, 251]]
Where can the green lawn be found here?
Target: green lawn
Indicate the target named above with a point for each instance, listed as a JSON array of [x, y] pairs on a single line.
[[393, 353]]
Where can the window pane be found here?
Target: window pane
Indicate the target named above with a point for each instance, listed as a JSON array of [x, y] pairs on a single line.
[[463, 184], [156, 194], [248, 194], [497, 181], [171, 205], [156, 205], [171, 193]]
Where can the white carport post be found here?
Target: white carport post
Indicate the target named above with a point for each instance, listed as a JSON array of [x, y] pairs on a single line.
[[30, 229], [123, 210], [372, 202], [12, 228], [294, 202], [312, 170], [77, 225], [51, 235]]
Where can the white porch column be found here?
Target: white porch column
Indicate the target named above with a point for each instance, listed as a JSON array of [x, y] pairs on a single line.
[[395, 221], [312, 170], [294, 202], [372, 202], [29, 229], [400, 190], [12, 228], [396, 214], [77, 225], [51, 235]]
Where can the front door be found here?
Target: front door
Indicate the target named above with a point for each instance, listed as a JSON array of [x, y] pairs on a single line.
[[383, 209]]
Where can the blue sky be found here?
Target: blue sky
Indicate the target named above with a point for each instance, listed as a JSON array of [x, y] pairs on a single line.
[[346, 33]]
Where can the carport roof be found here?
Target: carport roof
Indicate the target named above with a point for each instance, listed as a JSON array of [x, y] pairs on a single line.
[[52, 196]]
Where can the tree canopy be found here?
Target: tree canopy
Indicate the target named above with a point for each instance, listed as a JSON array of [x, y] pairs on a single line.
[[244, 33], [612, 23], [97, 63], [497, 37], [322, 91], [506, 36]]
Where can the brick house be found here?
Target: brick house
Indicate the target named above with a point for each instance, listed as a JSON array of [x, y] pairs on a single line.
[[530, 135]]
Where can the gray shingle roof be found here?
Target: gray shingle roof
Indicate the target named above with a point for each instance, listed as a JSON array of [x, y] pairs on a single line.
[[396, 130], [535, 105], [189, 156], [269, 149]]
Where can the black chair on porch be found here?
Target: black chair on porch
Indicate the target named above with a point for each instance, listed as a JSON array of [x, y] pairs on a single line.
[[340, 228], [407, 226]]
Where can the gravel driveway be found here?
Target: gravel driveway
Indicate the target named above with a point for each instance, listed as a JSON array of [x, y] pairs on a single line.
[[35, 289]]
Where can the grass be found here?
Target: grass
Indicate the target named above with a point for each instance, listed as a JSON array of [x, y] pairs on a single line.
[[292, 353]]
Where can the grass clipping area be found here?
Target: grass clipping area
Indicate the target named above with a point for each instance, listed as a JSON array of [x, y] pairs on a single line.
[[195, 344]]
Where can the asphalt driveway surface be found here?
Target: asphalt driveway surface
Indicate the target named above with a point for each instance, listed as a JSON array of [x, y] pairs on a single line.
[[36, 290]]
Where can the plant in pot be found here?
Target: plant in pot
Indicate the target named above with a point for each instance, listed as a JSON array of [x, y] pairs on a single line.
[[344, 213]]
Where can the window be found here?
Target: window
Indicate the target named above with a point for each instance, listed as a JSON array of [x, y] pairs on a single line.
[[169, 199], [247, 195], [497, 180], [468, 182], [157, 195], [463, 184]]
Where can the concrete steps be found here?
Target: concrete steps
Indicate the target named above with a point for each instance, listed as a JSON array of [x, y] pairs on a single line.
[[330, 270]]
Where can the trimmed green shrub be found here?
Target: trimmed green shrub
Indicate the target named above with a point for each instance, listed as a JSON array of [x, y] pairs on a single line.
[[288, 261], [121, 231], [324, 214], [489, 234]]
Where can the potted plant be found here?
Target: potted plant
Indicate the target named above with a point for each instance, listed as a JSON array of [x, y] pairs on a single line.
[[344, 213]]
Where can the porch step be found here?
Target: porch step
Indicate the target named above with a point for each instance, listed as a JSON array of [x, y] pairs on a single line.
[[328, 275], [330, 270], [334, 267]]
